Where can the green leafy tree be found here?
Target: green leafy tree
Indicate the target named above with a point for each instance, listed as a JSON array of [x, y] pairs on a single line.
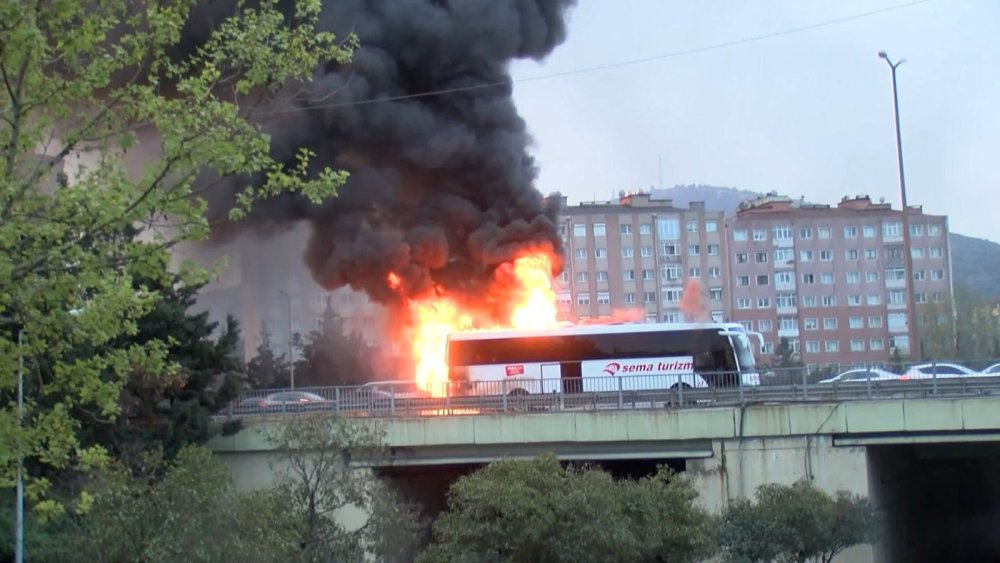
[[267, 370], [341, 511], [88, 89], [795, 523], [537, 510], [333, 356], [185, 510], [784, 356]]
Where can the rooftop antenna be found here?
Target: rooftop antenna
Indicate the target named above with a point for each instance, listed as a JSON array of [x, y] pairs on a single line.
[[659, 162]]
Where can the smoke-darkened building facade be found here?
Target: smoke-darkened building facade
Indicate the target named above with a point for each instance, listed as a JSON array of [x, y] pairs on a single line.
[[832, 279], [632, 259]]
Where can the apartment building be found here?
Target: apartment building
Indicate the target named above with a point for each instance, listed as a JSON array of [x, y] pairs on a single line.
[[632, 258], [831, 279]]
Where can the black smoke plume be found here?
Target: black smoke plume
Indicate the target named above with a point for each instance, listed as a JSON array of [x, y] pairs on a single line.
[[441, 187]]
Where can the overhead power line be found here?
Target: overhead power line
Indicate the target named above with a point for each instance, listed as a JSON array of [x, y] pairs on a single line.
[[618, 64]]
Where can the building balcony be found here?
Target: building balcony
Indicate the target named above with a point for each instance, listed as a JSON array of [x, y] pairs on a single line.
[[896, 306], [783, 242], [788, 333], [898, 330], [787, 310], [784, 286], [895, 284]]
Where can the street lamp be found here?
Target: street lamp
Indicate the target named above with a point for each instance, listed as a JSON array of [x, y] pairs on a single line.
[[907, 258], [291, 353]]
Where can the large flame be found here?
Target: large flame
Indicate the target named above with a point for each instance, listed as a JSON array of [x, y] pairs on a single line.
[[521, 289]]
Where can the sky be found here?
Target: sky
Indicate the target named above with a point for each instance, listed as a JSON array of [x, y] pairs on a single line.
[[804, 114]]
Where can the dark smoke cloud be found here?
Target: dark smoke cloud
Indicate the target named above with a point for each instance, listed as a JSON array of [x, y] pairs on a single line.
[[442, 187]]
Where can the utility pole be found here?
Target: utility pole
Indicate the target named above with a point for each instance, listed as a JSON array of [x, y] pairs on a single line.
[[291, 350], [911, 317]]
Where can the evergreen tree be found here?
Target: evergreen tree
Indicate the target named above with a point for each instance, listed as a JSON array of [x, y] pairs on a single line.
[[331, 356], [267, 370]]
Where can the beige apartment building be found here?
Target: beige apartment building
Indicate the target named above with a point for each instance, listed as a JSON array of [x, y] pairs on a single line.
[[832, 280], [632, 259]]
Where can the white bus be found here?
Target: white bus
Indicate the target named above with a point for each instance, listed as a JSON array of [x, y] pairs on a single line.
[[601, 358]]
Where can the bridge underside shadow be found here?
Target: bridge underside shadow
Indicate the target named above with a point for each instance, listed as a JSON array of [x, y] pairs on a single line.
[[938, 502]]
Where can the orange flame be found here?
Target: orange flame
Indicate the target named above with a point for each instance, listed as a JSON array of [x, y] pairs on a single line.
[[393, 280], [522, 289]]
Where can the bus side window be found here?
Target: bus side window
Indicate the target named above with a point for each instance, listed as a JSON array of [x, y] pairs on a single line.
[[703, 361]]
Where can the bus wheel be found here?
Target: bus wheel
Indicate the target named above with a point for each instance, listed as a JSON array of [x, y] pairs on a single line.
[[680, 389], [518, 399]]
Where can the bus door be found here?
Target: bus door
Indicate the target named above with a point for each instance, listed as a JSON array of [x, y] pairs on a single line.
[[551, 378], [571, 373]]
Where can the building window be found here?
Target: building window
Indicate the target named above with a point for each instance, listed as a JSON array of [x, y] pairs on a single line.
[[628, 252], [809, 301], [895, 274], [916, 230], [933, 230], [896, 320], [892, 229], [832, 346], [868, 231], [747, 325], [581, 277], [873, 299], [743, 303], [645, 228], [694, 272], [850, 232], [810, 323], [740, 235], [784, 300], [694, 250], [603, 298], [857, 345], [743, 281], [763, 279], [602, 276], [937, 297], [829, 300], [671, 317], [806, 256], [715, 294], [562, 230], [783, 278], [711, 226], [937, 275], [579, 230], [919, 275], [764, 325], [830, 323], [874, 321], [920, 297], [851, 254], [668, 229], [646, 251], [808, 279], [625, 229], [600, 253], [714, 272], [805, 232], [628, 275], [759, 234], [741, 258], [895, 297], [670, 273], [583, 299], [784, 255], [787, 323], [876, 344], [826, 255], [647, 275], [713, 250], [853, 300], [916, 252], [824, 233], [564, 298], [763, 302], [580, 253], [826, 278], [767, 348], [649, 297], [871, 254], [871, 277], [856, 322], [853, 277], [760, 257], [629, 297], [934, 252], [671, 295], [782, 232], [563, 277], [600, 230], [692, 226], [812, 346]]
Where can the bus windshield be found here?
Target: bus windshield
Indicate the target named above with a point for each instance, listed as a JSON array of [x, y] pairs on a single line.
[[744, 355]]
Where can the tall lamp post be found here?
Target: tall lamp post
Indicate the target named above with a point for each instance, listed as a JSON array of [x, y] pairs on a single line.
[[291, 352], [911, 317]]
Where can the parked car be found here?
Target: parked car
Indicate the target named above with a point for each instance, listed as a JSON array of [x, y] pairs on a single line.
[[383, 394], [861, 375], [941, 370], [282, 401], [992, 370]]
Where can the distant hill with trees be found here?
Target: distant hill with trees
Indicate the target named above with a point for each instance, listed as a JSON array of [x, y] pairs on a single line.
[[975, 262]]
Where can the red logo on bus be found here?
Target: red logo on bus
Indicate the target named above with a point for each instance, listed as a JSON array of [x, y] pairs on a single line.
[[612, 368], [514, 370]]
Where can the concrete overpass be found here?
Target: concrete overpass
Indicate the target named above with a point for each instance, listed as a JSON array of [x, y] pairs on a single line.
[[931, 466]]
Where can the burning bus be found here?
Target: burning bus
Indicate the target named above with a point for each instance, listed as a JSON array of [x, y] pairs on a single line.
[[586, 358]]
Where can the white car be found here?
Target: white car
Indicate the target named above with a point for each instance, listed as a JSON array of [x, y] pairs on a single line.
[[992, 370], [861, 375], [941, 370]]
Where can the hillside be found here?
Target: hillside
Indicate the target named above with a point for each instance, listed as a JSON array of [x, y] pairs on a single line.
[[975, 262]]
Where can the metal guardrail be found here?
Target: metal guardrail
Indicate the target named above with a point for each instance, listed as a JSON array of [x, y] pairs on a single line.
[[400, 399]]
